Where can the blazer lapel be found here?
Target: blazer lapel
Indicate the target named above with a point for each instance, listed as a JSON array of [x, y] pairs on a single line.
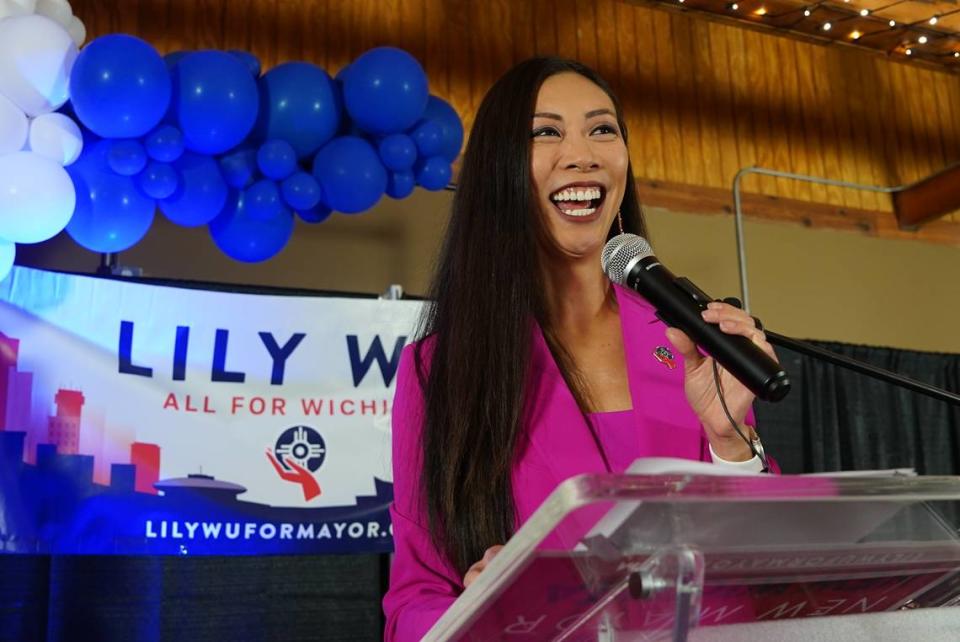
[[558, 430], [666, 426], [557, 438]]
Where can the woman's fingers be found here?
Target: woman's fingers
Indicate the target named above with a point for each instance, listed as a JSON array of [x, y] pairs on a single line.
[[474, 571], [733, 320], [686, 347], [491, 552]]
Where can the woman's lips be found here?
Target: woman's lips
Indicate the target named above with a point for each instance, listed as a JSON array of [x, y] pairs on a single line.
[[579, 202]]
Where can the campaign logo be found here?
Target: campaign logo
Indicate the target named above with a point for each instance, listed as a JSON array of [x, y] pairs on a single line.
[[298, 453]]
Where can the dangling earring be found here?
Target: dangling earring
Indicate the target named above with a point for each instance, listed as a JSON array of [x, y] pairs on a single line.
[[620, 221]]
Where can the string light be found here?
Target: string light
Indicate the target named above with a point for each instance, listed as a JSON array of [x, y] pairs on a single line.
[[761, 11]]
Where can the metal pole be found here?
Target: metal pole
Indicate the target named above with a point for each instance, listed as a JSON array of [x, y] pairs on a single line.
[[738, 209]]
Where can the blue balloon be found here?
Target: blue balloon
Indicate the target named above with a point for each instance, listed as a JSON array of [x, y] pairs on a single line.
[[398, 152], [127, 157], [350, 173], [301, 191], [251, 61], [440, 111], [385, 91], [215, 101], [433, 173], [401, 184], [277, 159], [164, 144], [158, 180], [428, 135], [119, 86], [112, 214], [245, 238], [201, 193], [316, 214], [239, 167], [262, 200], [298, 104]]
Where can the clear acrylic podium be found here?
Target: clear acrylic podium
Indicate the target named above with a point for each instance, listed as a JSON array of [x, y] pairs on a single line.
[[677, 557]]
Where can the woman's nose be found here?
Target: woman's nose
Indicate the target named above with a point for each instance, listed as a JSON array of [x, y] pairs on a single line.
[[579, 154]]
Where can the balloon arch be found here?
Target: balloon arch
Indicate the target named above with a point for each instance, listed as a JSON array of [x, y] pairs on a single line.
[[95, 140]]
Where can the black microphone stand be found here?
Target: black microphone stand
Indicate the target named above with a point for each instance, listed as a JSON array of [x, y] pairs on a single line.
[[863, 368]]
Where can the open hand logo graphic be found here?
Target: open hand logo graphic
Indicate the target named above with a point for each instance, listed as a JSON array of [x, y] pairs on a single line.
[[298, 453]]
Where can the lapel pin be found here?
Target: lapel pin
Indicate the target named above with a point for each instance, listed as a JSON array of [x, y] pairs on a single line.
[[664, 356]]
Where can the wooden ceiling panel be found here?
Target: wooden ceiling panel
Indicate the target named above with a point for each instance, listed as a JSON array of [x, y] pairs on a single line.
[[860, 23], [702, 97]]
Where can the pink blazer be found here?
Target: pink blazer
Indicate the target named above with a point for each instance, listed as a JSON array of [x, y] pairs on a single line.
[[422, 583]]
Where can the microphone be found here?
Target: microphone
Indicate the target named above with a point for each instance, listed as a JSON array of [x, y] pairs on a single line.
[[628, 260]]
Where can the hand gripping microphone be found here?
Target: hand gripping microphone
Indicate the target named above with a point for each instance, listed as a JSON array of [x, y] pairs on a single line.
[[628, 260]]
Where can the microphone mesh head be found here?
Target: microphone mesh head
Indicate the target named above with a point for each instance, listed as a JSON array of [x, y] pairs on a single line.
[[620, 251]]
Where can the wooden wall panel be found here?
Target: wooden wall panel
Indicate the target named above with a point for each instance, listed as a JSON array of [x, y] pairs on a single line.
[[641, 90], [702, 98], [723, 106], [839, 84]]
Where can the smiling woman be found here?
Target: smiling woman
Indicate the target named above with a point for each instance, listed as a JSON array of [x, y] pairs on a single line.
[[578, 159], [530, 366]]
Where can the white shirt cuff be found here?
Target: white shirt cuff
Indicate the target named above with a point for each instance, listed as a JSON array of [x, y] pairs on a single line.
[[750, 466]]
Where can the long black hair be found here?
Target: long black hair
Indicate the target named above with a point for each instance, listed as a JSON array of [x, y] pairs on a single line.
[[487, 293]]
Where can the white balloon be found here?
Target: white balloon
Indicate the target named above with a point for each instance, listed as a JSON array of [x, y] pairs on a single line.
[[8, 252], [77, 30], [58, 10], [37, 198], [36, 57], [57, 137], [17, 8], [13, 127]]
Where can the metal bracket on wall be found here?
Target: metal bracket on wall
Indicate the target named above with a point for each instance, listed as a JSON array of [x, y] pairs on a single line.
[[109, 266], [738, 209], [394, 292]]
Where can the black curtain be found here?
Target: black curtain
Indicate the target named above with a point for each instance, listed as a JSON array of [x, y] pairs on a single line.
[[196, 599], [836, 419], [832, 420]]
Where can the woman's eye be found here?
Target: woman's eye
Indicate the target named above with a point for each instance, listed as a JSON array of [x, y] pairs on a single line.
[[605, 129], [544, 131]]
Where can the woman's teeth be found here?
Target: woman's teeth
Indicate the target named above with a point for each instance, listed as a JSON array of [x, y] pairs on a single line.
[[574, 194], [568, 200]]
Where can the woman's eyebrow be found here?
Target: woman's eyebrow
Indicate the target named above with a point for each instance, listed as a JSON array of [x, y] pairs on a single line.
[[590, 114], [599, 112]]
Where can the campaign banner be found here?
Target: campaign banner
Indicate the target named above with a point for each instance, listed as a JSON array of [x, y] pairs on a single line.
[[139, 418]]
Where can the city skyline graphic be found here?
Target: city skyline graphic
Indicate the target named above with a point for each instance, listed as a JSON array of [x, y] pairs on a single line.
[[70, 431]]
